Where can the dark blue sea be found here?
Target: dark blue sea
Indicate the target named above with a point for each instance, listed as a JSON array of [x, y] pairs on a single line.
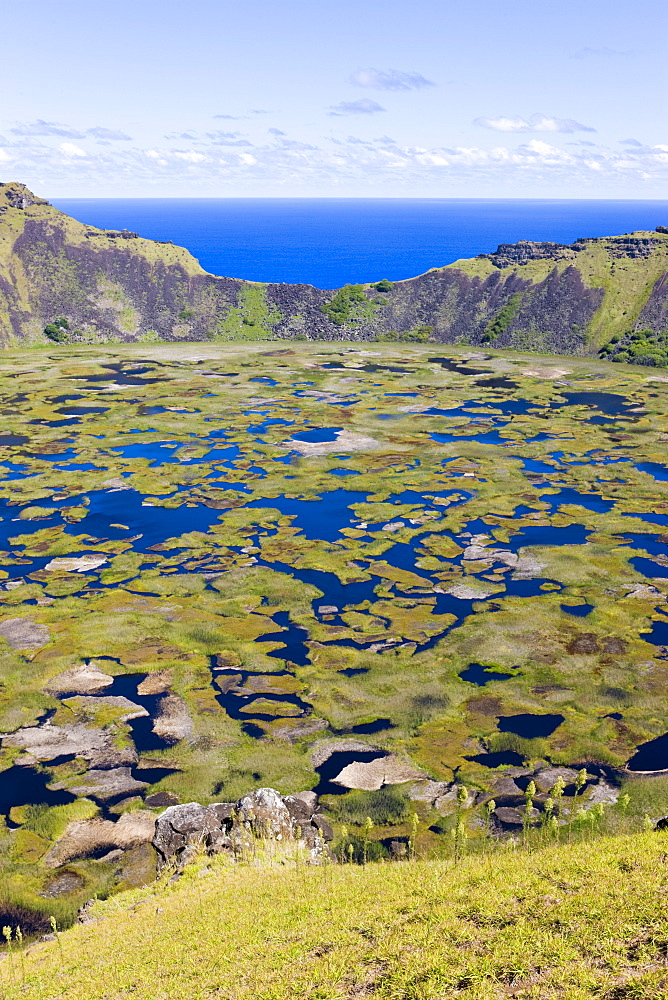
[[328, 242]]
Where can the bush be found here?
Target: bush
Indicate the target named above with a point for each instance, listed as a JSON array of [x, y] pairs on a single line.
[[57, 331], [421, 335], [338, 308], [502, 320], [384, 285]]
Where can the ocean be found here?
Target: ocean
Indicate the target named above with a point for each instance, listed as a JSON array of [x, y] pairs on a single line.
[[329, 242]]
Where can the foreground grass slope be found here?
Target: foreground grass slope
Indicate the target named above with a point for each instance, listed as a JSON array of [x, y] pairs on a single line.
[[579, 921]]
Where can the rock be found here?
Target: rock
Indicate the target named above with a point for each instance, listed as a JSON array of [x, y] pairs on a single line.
[[511, 816], [428, 791], [112, 857], [172, 721], [85, 679], [23, 633], [447, 803], [328, 609], [527, 568], [46, 742], [661, 824], [161, 800], [505, 786], [111, 757], [324, 827], [602, 793], [82, 838], [158, 682], [388, 770], [310, 798], [547, 777], [299, 728], [267, 813], [104, 785], [80, 564]]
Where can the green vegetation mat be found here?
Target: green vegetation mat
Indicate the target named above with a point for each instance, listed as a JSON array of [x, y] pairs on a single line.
[[310, 542]]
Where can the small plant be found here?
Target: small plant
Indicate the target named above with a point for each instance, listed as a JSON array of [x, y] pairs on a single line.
[[528, 808], [7, 934], [384, 285], [368, 827], [411, 841]]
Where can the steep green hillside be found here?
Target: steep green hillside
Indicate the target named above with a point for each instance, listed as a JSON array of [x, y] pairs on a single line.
[[114, 286], [580, 921]]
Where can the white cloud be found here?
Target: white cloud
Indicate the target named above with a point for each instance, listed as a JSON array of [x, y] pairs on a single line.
[[389, 79], [112, 134], [41, 127], [70, 150], [588, 51], [537, 123], [4, 157], [190, 156], [362, 107], [247, 159]]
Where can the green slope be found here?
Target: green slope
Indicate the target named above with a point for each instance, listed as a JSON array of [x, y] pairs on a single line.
[[575, 922]]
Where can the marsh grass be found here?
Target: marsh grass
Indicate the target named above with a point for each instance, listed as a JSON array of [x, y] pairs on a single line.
[[577, 921]]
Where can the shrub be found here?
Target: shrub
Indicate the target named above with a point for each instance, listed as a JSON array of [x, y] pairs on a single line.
[[57, 331], [502, 320], [338, 308], [384, 285]]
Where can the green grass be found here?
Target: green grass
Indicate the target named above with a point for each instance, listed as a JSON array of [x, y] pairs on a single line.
[[575, 922]]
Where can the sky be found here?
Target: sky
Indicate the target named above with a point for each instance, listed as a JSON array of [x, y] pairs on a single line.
[[351, 98]]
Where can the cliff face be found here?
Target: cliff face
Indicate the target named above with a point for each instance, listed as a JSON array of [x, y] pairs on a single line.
[[117, 286]]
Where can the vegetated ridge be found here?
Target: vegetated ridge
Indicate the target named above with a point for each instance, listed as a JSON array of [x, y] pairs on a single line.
[[62, 280]]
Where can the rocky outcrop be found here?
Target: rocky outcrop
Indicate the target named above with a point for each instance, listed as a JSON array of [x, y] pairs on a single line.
[[233, 828]]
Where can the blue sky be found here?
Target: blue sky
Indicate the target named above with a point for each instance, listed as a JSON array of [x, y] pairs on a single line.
[[405, 98]]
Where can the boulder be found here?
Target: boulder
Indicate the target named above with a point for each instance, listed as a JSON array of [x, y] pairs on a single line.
[[46, 742], [158, 682], [428, 791], [268, 813], [547, 777]]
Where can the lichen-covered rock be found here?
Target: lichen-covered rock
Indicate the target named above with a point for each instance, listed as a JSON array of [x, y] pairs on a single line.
[[267, 813]]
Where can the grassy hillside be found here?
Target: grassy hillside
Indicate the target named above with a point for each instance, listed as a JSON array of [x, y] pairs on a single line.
[[108, 286], [580, 921]]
